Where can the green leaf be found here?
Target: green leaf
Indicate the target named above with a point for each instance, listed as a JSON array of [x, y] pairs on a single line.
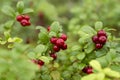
[[96, 65], [51, 34], [20, 6], [8, 11], [98, 25], [8, 24], [91, 76], [43, 38], [55, 75], [55, 27], [10, 45], [89, 30], [28, 10], [111, 73], [45, 59], [89, 47], [40, 49], [80, 56], [7, 34]]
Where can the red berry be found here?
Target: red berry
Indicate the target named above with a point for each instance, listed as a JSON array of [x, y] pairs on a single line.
[[101, 33], [28, 23], [95, 39], [64, 47], [56, 48], [98, 46], [102, 39], [87, 70], [53, 55], [60, 42], [40, 62], [19, 18], [64, 37], [53, 40], [34, 61], [26, 17], [48, 28]]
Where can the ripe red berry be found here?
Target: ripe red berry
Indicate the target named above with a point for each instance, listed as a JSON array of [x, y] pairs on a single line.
[[19, 18], [87, 70], [64, 47], [102, 39], [48, 28], [56, 48], [101, 33], [53, 40], [26, 17], [25, 23], [53, 55], [95, 39], [98, 46], [34, 61], [64, 37], [60, 42], [40, 62]]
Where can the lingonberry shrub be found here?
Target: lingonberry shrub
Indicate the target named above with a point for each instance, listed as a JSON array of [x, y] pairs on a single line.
[[92, 51]]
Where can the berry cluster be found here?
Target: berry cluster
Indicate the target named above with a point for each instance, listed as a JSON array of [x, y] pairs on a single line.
[[87, 70], [39, 62], [24, 20], [59, 43], [100, 39]]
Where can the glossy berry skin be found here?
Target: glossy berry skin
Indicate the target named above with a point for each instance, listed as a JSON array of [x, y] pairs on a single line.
[[87, 70], [19, 18], [53, 40], [56, 48], [64, 37], [28, 23], [53, 55], [48, 28], [95, 39], [101, 33], [102, 39], [98, 46], [40, 62], [60, 42], [24, 22], [26, 17], [64, 47]]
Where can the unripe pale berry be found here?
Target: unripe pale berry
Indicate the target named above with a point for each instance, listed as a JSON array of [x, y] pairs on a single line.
[[60, 42], [53, 55], [102, 39], [101, 33], [19, 18], [53, 40], [95, 39], [56, 48], [64, 37], [98, 46]]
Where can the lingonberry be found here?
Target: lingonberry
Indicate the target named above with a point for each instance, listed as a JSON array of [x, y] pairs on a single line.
[[53, 55], [60, 42], [53, 40], [98, 46], [48, 28], [24, 22], [56, 48], [19, 18], [64, 47], [26, 17], [87, 70], [40, 62], [28, 23], [64, 37], [101, 33], [102, 39], [95, 39]]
